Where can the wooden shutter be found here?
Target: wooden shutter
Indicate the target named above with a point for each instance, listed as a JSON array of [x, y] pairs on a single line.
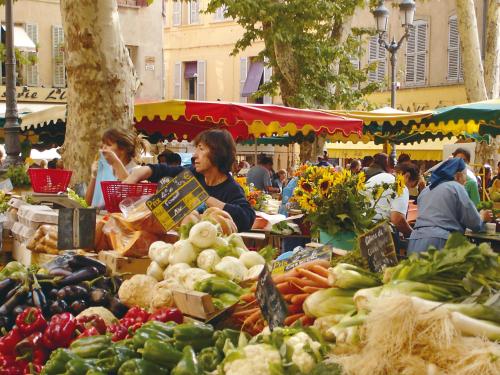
[[416, 54], [201, 80], [31, 70], [177, 13], [194, 12], [59, 71], [178, 80], [243, 76], [376, 54], [455, 72], [268, 72]]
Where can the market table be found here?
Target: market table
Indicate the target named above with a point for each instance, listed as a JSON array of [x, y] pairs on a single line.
[[493, 239]]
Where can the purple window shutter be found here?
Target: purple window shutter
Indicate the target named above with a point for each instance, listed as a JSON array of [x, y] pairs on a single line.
[[253, 78]]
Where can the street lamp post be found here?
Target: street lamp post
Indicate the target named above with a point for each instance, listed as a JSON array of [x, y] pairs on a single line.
[[11, 128], [381, 14]]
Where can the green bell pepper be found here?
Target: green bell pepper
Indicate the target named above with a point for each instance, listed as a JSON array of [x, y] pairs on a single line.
[[209, 359], [138, 366], [220, 338], [196, 335], [91, 346], [145, 333], [162, 353], [218, 285], [96, 372], [112, 358], [188, 365], [57, 362], [80, 366]]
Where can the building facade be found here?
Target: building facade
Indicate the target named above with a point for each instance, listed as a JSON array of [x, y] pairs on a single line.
[[199, 64], [142, 28]]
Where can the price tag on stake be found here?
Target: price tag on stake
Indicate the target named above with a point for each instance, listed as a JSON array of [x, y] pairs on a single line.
[[177, 199], [271, 302], [378, 247]]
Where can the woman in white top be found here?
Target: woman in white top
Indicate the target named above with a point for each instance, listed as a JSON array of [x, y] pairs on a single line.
[[117, 157]]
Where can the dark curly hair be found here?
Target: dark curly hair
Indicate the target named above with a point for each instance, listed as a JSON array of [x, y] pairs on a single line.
[[222, 148]]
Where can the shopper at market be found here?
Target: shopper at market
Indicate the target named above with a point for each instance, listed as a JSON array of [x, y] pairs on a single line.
[[444, 207], [355, 166], [367, 162], [260, 175], [471, 184], [497, 176], [117, 158], [213, 158], [379, 165], [390, 206], [280, 179]]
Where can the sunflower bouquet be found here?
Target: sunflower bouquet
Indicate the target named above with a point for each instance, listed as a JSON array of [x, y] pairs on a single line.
[[256, 198], [339, 201]]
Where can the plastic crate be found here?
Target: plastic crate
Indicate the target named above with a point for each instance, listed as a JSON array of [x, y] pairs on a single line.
[[50, 181], [114, 192]]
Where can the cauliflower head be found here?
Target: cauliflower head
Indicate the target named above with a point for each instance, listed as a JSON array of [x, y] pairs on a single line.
[[137, 291], [252, 360], [305, 351]]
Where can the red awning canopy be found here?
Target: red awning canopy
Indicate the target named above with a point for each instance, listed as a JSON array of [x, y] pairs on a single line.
[[183, 120]]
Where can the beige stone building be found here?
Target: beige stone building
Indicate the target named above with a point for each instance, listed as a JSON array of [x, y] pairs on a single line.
[[142, 28], [199, 65]]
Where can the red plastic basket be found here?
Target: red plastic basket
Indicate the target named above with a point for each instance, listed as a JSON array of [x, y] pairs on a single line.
[[114, 192], [50, 181]]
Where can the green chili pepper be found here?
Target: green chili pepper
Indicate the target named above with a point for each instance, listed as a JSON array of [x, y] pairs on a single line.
[[112, 358], [57, 362], [218, 285], [196, 335], [220, 338], [80, 366], [138, 366], [209, 359], [188, 365], [161, 353], [147, 332], [90, 347]]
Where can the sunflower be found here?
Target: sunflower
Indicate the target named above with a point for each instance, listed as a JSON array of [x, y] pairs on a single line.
[[306, 186], [400, 184], [379, 192], [325, 183], [360, 186]]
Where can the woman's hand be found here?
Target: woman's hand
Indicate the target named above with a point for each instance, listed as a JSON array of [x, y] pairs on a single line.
[[94, 169], [110, 156], [486, 215], [138, 175]]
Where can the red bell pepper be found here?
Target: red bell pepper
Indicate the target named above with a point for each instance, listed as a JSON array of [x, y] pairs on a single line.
[[31, 320], [85, 322], [60, 331], [167, 315], [119, 332], [137, 315], [91, 331], [27, 347], [17, 368], [9, 341], [6, 360], [33, 369]]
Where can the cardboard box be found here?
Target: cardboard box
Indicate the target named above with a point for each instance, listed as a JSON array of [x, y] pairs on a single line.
[[124, 265]]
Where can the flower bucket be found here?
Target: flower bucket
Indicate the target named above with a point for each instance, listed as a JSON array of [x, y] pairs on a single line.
[[341, 240]]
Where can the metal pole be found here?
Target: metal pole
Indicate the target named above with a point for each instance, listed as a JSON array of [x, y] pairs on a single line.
[[255, 151], [11, 128], [394, 60]]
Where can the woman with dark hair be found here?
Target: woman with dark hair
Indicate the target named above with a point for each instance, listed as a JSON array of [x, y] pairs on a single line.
[[355, 166], [213, 158], [380, 165]]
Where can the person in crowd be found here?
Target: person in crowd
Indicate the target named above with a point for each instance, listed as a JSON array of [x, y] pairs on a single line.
[[497, 177], [367, 162], [59, 164], [355, 166], [484, 173], [444, 207], [43, 164], [404, 158], [52, 164], [173, 159], [162, 158], [379, 165], [395, 208], [260, 175], [213, 158], [117, 158], [322, 162], [280, 179], [471, 183]]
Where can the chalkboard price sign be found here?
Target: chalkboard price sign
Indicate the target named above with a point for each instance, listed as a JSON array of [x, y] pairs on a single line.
[[377, 245], [177, 199], [271, 302]]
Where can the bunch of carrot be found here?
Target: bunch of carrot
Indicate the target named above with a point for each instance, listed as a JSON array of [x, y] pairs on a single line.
[[295, 286]]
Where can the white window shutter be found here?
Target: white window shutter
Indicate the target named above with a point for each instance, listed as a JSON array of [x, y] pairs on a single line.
[[421, 59], [201, 80], [194, 12], [376, 54], [178, 80], [59, 71], [268, 72], [177, 13], [455, 72], [31, 70], [243, 76], [410, 56]]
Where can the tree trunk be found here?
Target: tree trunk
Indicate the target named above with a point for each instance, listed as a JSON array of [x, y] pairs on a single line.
[[492, 55], [471, 52], [101, 80]]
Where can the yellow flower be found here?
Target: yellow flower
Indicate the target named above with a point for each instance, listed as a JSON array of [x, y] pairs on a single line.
[[325, 183], [361, 182], [400, 183], [379, 193]]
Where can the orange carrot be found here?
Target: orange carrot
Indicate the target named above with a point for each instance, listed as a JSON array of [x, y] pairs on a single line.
[[302, 282], [298, 299], [307, 320], [320, 262], [311, 289], [295, 309], [319, 280], [245, 313], [248, 297], [250, 320], [320, 270], [287, 288], [279, 278], [288, 297], [289, 320]]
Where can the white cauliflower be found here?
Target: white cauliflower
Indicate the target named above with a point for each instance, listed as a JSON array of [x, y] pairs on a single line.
[[162, 296], [253, 360], [301, 358], [137, 291]]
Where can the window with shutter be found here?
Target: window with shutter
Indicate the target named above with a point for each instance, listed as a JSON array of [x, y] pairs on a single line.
[[178, 80], [268, 72], [376, 55], [416, 54], [243, 76], [201, 84], [59, 70], [194, 12], [31, 70], [176, 13], [220, 13], [455, 72]]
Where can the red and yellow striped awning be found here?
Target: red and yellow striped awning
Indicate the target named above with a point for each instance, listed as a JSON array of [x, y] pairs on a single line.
[[183, 120]]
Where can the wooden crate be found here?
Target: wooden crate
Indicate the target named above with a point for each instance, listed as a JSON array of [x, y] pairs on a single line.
[[120, 264], [195, 304]]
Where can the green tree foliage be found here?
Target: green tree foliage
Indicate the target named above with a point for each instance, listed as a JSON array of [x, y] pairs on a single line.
[[309, 45]]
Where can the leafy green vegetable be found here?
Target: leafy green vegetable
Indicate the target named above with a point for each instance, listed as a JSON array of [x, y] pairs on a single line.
[[352, 257], [268, 253], [73, 196], [18, 176]]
